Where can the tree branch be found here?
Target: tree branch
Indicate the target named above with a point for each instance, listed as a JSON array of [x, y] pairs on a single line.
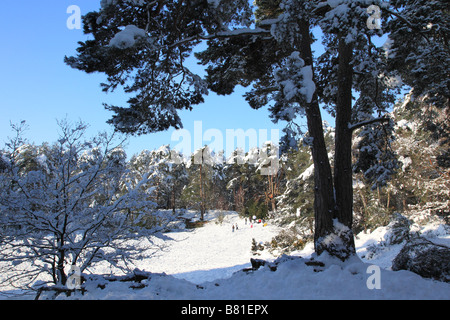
[[361, 124], [409, 24], [224, 34]]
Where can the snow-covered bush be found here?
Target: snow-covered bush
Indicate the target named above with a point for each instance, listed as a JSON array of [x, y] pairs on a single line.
[[288, 240], [68, 204], [398, 230], [425, 258]]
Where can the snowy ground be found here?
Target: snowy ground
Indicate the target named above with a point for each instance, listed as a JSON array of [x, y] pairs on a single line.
[[212, 252], [205, 263]]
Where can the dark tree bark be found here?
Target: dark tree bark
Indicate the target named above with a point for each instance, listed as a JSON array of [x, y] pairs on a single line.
[[202, 195], [324, 202], [343, 179], [333, 197]]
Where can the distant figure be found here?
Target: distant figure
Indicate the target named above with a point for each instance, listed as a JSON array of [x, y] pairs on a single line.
[[232, 228], [245, 221], [236, 227]]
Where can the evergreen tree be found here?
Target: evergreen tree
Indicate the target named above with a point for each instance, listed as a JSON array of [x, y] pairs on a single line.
[[199, 188], [298, 193], [253, 177], [422, 180], [143, 45], [418, 49], [167, 171], [236, 180]]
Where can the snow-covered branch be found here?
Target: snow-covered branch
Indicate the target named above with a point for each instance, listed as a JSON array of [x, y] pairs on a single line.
[[361, 124], [223, 34], [66, 205]]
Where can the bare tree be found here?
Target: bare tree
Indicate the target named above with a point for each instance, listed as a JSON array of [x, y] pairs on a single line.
[[68, 205]]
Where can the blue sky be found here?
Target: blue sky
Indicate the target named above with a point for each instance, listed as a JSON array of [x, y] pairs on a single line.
[[38, 87]]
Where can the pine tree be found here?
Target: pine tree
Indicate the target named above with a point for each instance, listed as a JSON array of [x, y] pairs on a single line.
[[419, 31], [143, 46], [422, 180], [167, 171], [199, 188], [234, 183]]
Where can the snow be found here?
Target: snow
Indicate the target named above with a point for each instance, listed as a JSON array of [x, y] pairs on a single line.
[[308, 173], [309, 87], [206, 263], [336, 239], [405, 124], [211, 252], [406, 161], [106, 3], [127, 37], [295, 79], [333, 3], [214, 3]]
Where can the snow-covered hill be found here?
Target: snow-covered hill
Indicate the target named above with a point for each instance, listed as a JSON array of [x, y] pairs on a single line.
[[206, 263], [212, 252]]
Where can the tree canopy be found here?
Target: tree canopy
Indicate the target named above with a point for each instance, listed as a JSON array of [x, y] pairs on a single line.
[[143, 46]]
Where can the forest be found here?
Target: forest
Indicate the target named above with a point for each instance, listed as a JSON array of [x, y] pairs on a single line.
[[80, 200], [91, 196]]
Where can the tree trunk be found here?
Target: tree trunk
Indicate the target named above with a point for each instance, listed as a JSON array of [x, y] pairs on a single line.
[[343, 174], [173, 200], [272, 192], [202, 197], [61, 277], [333, 202], [324, 202], [364, 215]]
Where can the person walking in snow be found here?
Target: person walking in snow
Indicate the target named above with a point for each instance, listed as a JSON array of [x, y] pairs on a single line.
[[232, 228], [237, 227]]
